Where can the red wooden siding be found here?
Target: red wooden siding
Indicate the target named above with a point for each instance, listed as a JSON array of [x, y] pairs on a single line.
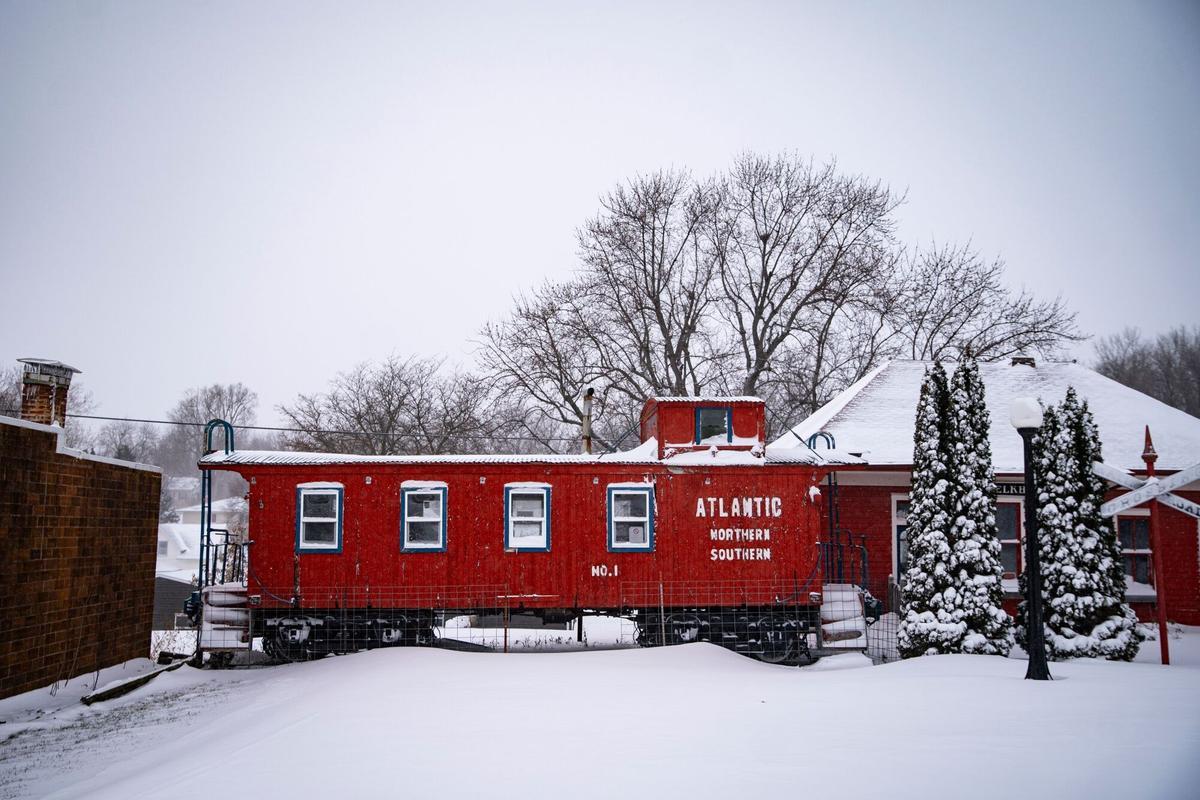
[[684, 546]]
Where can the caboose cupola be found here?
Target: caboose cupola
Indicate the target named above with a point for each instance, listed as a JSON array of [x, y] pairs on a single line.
[[684, 424]]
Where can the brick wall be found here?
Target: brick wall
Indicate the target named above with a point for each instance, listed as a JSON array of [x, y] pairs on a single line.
[[77, 551]]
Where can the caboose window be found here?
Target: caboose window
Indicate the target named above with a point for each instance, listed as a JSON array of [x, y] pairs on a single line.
[[714, 425], [527, 517], [630, 518], [319, 519], [423, 511]]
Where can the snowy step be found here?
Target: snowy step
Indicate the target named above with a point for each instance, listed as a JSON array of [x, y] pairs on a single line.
[[224, 615], [217, 637], [847, 633], [840, 610], [227, 594]]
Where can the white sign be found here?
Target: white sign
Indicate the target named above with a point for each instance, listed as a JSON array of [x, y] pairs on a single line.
[[1144, 490]]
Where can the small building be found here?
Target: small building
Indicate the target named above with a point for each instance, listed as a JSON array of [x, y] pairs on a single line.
[[175, 571], [228, 512], [875, 419], [77, 541]]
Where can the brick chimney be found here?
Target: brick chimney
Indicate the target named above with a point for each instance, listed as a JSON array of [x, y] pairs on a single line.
[[44, 387]]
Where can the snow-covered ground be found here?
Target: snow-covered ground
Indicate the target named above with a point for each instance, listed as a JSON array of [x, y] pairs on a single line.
[[689, 721]]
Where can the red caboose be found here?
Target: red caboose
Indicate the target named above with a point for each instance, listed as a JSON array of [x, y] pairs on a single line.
[[701, 532]]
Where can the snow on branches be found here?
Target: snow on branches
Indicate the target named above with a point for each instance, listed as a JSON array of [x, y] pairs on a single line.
[[951, 600], [1083, 578]]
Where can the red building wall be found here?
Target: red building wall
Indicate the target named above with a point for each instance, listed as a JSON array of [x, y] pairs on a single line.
[[868, 510]]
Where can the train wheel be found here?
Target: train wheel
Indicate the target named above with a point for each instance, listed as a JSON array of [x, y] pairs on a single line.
[[221, 660], [776, 641], [290, 641], [682, 628]]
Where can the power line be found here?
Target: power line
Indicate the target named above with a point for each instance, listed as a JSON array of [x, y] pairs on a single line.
[[319, 430]]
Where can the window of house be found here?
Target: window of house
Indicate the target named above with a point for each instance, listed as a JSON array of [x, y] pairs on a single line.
[[1134, 533], [319, 518], [631, 517], [1008, 526], [423, 516], [527, 516], [162, 547], [714, 425]]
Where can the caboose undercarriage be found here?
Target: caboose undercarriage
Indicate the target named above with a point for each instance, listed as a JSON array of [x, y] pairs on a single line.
[[777, 634]]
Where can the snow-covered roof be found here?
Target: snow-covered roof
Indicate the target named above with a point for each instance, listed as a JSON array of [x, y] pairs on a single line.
[[232, 504], [876, 415], [709, 400], [61, 446], [789, 452]]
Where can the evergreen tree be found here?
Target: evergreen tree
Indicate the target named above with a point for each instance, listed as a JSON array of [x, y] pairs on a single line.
[[927, 622], [1083, 579], [975, 565]]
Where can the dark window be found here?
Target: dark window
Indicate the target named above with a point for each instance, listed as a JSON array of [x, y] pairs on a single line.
[[1008, 525], [1134, 533], [712, 425], [902, 507]]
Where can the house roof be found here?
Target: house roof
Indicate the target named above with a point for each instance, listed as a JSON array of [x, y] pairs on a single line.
[[875, 416], [232, 504]]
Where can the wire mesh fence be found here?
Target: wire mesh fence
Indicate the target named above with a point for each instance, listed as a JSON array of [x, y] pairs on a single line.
[[770, 620]]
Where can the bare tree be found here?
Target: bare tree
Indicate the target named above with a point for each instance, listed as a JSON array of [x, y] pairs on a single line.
[[129, 441], [646, 284], [1167, 368], [179, 449], [952, 299], [401, 405], [544, 354], [798, 245], [10, 391], [780, 279]]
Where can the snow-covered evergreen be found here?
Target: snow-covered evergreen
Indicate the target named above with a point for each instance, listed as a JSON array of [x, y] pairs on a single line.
[[1083, 579], [975, 565], [927, 625]]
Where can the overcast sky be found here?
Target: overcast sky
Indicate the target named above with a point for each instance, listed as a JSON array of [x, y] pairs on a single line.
[[269, 193]]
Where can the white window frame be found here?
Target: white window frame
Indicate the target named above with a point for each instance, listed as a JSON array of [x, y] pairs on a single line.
[[527, 544], [423, 487], [316, 489], [898, 519], [646, 489]]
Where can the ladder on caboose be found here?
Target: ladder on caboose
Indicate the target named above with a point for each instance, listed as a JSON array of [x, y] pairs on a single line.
[[223, 626]]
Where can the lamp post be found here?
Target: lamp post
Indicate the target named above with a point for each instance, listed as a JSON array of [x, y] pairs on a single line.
[[1026, 416]]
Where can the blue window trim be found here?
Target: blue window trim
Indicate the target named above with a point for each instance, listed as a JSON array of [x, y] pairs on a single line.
[[300, 515], [404, 493], [509, 491], [648, 547], [728, 421]]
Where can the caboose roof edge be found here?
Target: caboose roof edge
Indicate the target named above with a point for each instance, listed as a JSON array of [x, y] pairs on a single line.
[[645, 454]]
